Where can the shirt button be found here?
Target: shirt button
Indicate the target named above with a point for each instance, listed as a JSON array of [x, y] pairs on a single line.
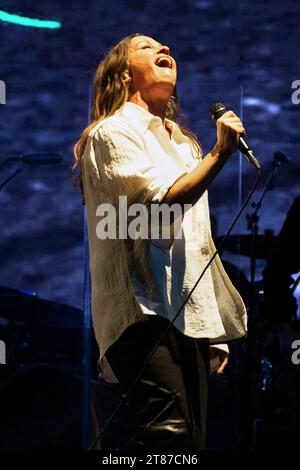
[[204, 250]]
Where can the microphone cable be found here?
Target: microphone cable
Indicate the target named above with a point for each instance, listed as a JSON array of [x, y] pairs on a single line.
[[151, 354]]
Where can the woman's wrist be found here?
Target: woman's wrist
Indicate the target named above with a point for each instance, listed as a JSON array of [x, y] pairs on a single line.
[[220, 154]]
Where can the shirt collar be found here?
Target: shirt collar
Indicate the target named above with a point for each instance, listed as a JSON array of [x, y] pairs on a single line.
[[144, 119]]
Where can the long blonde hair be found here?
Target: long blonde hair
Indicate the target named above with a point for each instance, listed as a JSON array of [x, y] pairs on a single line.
[[110, 92]]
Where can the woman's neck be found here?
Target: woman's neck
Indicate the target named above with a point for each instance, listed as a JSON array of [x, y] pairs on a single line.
[[156, 107]]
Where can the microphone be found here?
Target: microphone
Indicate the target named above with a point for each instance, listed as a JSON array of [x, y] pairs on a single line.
[[217, 110], [40, 158]]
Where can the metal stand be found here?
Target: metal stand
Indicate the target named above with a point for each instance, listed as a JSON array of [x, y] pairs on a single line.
[[86, 364], [12, 175], [253, 219], [87, 330]]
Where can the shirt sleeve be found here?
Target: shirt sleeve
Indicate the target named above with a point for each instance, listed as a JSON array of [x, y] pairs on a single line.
[[222, 346], [125, 168], [215, 363]]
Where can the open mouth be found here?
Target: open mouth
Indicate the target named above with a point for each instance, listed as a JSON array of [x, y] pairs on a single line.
[[164, 62]]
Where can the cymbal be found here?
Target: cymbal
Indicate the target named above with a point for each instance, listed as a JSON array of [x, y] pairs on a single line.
[[241, 244]]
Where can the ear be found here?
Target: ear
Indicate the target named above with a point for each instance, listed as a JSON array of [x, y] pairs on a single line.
[[126, 76]]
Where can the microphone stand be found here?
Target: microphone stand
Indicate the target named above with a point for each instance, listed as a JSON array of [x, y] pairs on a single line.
[[44, 158], [86, 425], [253, 223], [13, 174]]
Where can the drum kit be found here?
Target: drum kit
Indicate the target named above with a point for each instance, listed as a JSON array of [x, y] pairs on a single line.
[[269, 380], [42, 384]]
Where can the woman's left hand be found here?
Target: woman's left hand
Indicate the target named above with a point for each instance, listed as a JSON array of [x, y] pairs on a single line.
[[219, 357]]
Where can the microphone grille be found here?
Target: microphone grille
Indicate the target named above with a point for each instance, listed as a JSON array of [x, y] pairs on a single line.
[[217, 110]]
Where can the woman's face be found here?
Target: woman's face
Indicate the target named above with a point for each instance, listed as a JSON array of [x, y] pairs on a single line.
[[153, 70]]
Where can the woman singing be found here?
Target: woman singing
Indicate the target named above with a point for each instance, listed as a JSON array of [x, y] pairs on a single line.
[[136, 154]]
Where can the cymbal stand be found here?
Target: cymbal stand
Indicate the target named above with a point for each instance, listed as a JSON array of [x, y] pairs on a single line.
[[253, 220], [254, 326]]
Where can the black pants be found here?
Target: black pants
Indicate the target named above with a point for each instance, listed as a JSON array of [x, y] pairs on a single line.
[[170, 399]]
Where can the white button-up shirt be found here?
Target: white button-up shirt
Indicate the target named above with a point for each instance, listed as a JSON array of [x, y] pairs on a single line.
[[132, 154]]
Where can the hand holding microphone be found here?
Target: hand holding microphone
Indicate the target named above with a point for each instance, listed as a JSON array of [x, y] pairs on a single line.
[[230, 134]]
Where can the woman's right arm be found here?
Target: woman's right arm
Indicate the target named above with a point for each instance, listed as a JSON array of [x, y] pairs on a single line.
[[190, 187]]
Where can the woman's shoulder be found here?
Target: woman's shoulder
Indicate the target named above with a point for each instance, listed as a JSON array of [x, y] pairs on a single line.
[[109, 125]]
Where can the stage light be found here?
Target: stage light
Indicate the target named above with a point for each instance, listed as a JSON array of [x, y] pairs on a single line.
[[31, 22]]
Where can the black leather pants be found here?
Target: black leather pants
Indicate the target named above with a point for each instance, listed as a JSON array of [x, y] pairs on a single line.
[[170, 400]]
